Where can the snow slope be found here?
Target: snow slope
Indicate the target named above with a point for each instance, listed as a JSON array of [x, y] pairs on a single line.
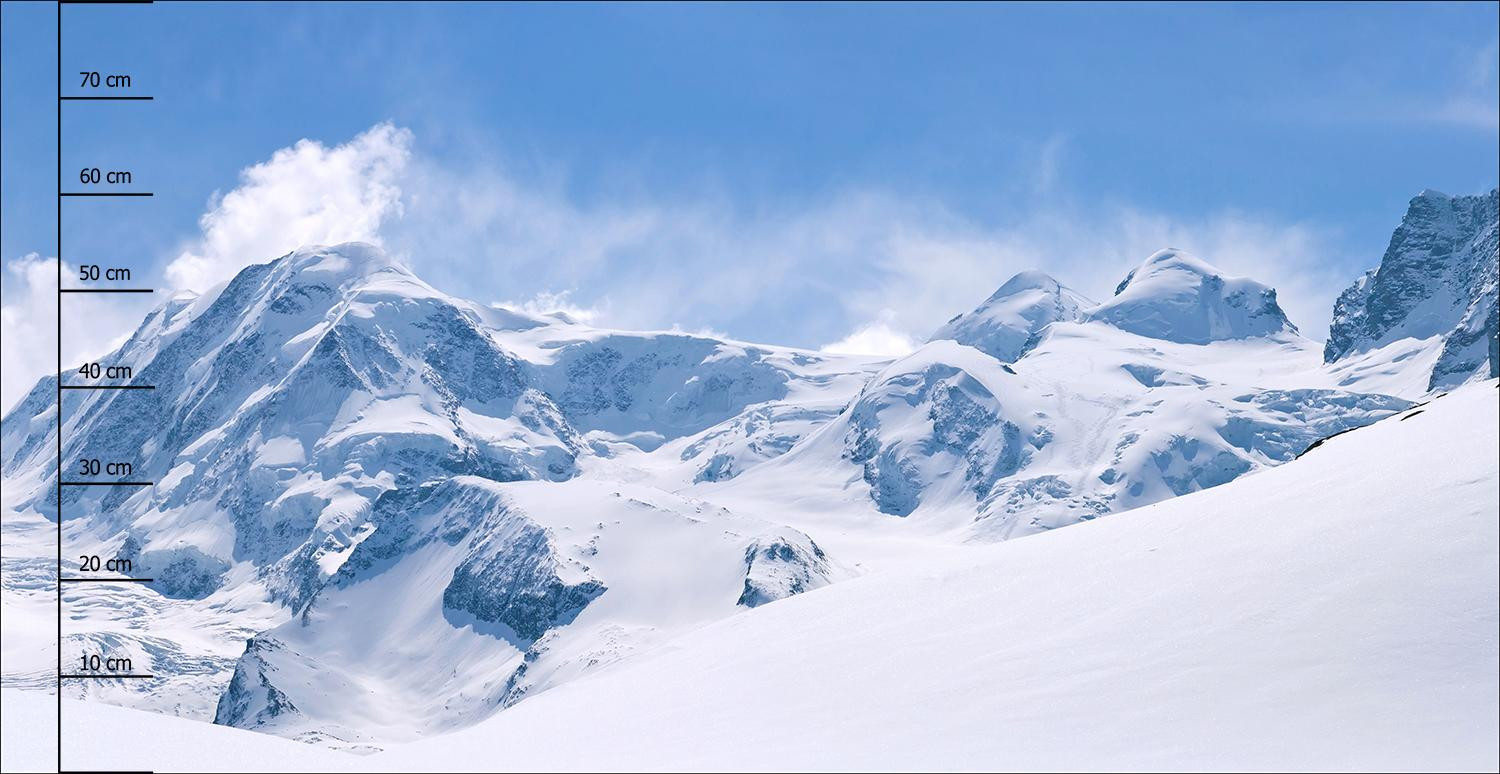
[[1335, 613], [1339, 612], [490, 592], [123, 739]]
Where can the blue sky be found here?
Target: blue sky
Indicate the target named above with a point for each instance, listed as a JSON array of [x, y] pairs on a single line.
[[788, 173]]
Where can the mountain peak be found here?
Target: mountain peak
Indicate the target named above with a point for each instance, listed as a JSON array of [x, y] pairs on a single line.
[[1178, 297], [1007, 324], [1167, 258], [1030, 279], [349, 260]]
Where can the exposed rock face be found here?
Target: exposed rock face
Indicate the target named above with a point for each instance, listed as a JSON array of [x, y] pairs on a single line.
[[251, 700], [910, 428], [512, 579], [761, 433], [1438, 277], [782, 566]]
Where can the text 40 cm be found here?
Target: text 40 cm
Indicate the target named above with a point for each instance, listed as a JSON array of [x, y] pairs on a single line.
[[95, 370]]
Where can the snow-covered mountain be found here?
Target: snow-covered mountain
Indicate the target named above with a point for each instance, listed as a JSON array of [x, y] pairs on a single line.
[[380, 512], [1177, 297], [326, 416], [1429, 310]]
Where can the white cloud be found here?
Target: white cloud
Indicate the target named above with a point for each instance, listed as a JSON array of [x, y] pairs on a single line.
[[876, 337], [28, 348], [305, 194], [806, 272], [28, 317]]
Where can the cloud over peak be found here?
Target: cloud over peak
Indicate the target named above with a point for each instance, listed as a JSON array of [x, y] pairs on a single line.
[[308, 193]]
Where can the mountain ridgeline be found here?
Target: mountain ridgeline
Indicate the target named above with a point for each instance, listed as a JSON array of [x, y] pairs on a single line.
[[467, 504]]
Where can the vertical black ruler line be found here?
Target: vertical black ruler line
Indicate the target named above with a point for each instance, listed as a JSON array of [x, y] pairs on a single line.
[[58, 486]]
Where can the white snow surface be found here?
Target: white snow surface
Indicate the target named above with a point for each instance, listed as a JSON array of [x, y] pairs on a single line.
[[1335, 613]]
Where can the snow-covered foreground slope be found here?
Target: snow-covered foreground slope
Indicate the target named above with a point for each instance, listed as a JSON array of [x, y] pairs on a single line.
[[1337, 612], [106, 738]]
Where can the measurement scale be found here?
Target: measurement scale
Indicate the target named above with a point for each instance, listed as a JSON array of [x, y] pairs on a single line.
[[93, 181]]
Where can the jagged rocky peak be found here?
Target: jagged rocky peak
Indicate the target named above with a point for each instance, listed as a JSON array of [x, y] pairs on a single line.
[[1008, 323], [1177, 297], [1436, 279]]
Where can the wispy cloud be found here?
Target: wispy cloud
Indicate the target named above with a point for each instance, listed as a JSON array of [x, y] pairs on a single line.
[[1048, 168]]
